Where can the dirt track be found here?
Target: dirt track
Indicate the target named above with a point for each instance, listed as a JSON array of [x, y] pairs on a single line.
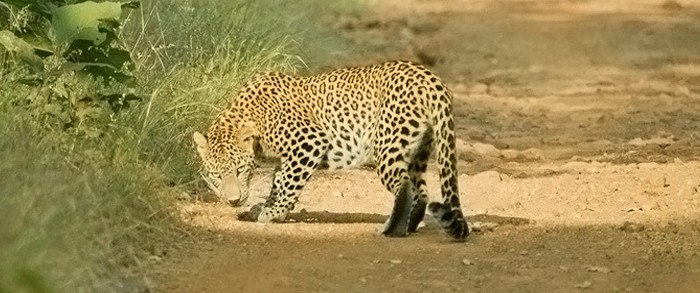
[[580, 162]]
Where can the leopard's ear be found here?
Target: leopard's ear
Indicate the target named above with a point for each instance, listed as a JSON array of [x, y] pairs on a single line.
[[202, 144], [246, 138]]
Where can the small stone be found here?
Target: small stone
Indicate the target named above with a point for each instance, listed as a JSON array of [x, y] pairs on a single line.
[[630, 227], [637, 141], [183, 196], [584, 285], [484, 227], [395, 261], [563, 268], [678, 161], [486, 150], [532, 154], [490, 178], [603, 270], [340, 256], [524, 252], [467, 262], [648, 165], [155, 259], [363, 280]]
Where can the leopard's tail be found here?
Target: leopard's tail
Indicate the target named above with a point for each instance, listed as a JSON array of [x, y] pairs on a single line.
[[448, 213]]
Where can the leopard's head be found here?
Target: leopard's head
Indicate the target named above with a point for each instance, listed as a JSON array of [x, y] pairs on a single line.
[[227, 167]]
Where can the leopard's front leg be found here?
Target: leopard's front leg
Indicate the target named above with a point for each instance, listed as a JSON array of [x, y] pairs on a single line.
[[257, 209], [296, 169]]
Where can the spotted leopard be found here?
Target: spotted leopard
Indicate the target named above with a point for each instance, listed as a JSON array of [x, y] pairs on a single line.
[[392, 114]]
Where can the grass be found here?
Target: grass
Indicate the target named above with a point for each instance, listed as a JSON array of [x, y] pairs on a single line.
[[78, 213], [197, 69], [71, 219]]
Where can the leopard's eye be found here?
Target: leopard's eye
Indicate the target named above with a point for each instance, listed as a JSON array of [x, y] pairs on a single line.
[[242, 169], [215, 175]]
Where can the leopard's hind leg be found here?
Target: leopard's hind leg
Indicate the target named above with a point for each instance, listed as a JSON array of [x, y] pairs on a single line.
[[416, 168], [401, 158]]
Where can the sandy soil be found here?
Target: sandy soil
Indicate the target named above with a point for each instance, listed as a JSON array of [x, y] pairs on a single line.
[[580, 159]]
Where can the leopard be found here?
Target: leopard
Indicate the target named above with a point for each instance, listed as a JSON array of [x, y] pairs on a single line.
[[394, 115]]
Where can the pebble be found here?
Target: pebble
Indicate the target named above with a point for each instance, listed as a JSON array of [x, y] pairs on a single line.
[[584, 285], [155, 259], [509, 154], [532, 154], [183, 196], [467, 262], [648, 165], [603, 270], [563, 268], [395, 261], [489, 178], [486, 150], [630, 227], [484, 226]]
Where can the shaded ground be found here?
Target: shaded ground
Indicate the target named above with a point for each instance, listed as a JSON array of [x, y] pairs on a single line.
[[580, 157]]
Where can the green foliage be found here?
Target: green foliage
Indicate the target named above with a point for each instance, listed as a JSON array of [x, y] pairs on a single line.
[[84, 37], [95, 124], [74, 212]]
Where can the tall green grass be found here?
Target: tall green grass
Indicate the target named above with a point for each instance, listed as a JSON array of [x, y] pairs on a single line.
[[71, 218], [79, 213], [196, 54]]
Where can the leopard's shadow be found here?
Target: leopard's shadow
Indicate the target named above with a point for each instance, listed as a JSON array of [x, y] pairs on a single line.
[[325, 217], [345, 218]]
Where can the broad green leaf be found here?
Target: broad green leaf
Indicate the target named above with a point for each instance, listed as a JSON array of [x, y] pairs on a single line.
[[107, 72], [21, 49], [82, 20], [83, 51]]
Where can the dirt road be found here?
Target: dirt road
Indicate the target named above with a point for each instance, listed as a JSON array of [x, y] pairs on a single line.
[[580, 159]]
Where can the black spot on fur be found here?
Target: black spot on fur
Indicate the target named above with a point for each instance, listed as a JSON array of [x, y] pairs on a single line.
[[307, 147]]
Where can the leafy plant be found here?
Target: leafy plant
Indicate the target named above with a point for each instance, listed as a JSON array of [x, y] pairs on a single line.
[[79, 73]]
